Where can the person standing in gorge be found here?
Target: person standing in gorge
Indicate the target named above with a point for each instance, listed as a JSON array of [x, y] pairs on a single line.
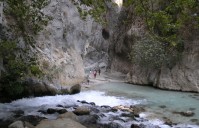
[[94, 73], [99, 71], [87, 79], [90, 73]]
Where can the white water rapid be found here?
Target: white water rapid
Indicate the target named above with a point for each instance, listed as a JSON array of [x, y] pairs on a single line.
[[31, 105]]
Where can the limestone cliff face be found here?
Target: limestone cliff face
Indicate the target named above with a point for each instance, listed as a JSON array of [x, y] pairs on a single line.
[[183, 76], [67, 41], [67, 45]]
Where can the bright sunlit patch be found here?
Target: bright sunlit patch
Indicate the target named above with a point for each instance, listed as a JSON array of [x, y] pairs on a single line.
[[118, 2]]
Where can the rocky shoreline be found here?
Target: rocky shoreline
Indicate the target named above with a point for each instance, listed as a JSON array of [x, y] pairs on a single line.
[[88, 114], [85, 115]]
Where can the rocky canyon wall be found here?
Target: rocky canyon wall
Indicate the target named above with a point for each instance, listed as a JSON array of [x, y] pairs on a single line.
[[181, 77], [67, 46]]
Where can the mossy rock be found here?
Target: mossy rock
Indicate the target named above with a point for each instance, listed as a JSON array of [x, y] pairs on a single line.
[[75, 89]]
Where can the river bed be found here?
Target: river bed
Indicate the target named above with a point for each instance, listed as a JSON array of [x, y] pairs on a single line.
[[159, 103]]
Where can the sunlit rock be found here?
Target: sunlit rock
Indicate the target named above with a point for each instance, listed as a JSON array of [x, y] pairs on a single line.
[[70, 115], [60, 123], [17, 124], [82, 110]]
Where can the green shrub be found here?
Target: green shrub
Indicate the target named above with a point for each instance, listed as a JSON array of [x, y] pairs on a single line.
[[153, 53], [16, 68], [98, 9], [27, 16], [35, 70], [14, 89]]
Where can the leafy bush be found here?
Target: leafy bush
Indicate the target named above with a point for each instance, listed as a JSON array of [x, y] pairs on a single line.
[[13, 89], [165, 19], [27, 16], [98, 9], [152, 53], [16, 69], [35, 70]]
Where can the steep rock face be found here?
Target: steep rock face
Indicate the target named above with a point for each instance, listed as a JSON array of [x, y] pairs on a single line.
[[124, 35], [66, 42], [182, 77], [65, 48]]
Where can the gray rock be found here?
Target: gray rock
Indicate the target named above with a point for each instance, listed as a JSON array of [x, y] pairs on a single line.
[[18, 113], [135, 126], [137, 110], [75, 89], [112, 125], [167, 121], [60, 123], [187, 113], [65, 91], [36, 87], [17, 124], [88, 119], [34, 120], [52, 110], [82, 110], [28, 125], [70, 115]]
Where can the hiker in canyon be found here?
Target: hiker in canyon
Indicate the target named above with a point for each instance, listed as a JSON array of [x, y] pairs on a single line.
[[87, 79], [99, 71], [95, 73]]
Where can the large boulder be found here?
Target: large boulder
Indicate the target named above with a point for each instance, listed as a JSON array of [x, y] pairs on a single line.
[[137, 110], [70, 115], [36, 87], [60, 123], [17, 124], [88, 119], [112, 125], [32, 119], [52, 111], [75, 89], [82, 110], [20, 124]]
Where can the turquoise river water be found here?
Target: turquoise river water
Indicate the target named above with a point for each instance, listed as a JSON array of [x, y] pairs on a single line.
[[159, 103]]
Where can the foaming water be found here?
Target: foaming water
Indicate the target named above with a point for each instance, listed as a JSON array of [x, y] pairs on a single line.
[[160, 104], [31, 105]]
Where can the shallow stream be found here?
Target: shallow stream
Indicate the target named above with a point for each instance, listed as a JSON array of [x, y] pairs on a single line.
[[159, 103]]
